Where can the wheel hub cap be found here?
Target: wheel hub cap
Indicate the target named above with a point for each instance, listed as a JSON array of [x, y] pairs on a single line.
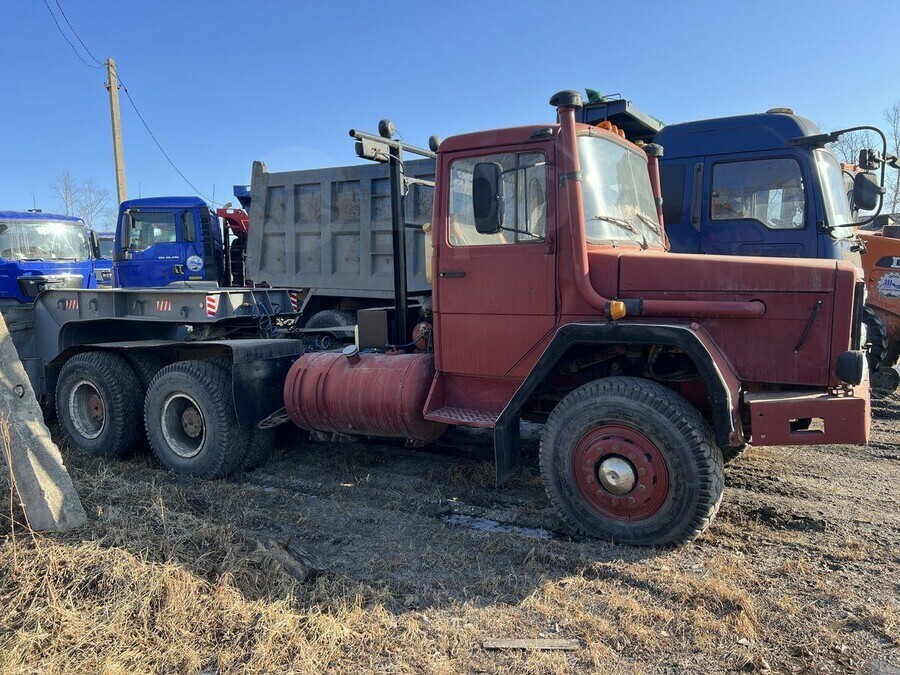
[[192, 422], [183, 426], [86, 409], [620, 473], [616, 475]]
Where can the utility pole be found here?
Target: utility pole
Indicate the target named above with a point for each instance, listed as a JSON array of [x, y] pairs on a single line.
[[112, 86]]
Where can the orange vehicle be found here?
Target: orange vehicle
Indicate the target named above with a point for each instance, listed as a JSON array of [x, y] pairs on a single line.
[[881, 264]]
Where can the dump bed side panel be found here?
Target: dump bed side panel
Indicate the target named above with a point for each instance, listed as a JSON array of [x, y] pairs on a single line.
[[330, 229]]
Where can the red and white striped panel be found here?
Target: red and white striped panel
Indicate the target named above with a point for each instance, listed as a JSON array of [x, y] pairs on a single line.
[[163, 305], [71, 303], [212, 305], [295, 300]]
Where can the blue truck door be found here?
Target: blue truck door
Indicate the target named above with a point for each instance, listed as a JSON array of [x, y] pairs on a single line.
[[755, 204], [153, 249]]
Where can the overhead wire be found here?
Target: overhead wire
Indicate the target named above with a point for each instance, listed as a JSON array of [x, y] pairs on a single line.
[[124, 88], [69, 42], [75, 33]]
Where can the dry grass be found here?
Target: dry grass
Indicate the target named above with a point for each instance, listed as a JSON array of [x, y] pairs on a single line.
[[167, 578]]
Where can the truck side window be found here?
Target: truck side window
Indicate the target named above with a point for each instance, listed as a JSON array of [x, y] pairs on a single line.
[[524, 193], [148, 229], [672, 178], [188, 226], [768, 190]]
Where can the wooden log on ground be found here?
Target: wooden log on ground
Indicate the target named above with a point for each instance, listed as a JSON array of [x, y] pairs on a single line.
[[532, 643]]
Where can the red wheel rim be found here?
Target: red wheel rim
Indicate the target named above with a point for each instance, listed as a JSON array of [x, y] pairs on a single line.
[[650, 476]]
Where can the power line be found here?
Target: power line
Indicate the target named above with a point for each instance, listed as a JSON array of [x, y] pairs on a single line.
[[124, 88], [75, 33], [65, 37], [158, 145]]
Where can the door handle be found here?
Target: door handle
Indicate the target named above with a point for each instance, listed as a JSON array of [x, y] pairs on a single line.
[[178, 269], [452, 275]]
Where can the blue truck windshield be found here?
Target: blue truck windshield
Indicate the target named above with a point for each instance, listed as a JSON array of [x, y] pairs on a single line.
[[834, 193], [618, 199], [43, 240]]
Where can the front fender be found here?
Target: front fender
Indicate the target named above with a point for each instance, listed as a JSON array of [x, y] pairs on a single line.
[[714, 368]]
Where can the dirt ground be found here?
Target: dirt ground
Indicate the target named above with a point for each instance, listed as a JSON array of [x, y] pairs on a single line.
[[427, 559]]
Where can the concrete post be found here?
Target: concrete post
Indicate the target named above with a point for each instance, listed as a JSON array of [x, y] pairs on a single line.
[[43, 485]]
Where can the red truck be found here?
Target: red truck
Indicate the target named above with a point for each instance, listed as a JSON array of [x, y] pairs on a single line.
[[554, 301]]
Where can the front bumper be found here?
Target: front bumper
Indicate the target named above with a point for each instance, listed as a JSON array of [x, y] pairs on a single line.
[[837, 419]]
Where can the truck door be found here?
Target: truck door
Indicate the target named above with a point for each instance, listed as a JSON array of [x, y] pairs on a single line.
[[756, 205], [495, 294], [152, 248]]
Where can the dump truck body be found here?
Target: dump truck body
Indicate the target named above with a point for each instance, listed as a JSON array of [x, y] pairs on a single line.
[[330, 229]]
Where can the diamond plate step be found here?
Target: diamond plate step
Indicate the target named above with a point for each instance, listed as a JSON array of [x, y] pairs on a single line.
[[465, 416]]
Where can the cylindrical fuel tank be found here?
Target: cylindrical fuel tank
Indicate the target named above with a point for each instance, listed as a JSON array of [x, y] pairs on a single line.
[[378, 395]]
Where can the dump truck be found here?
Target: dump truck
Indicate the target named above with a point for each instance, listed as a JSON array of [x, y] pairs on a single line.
[[554, 301], [326, 232]]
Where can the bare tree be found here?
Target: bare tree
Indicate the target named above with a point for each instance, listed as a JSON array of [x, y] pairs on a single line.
[[847, 147], [66, 191], [892, 177], [94, 205]]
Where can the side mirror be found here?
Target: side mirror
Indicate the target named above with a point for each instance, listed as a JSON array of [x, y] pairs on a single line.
[[866, 191], [487, 197], [125, 230], [95, 244]]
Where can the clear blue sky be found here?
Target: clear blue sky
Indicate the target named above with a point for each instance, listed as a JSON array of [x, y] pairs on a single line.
[[223, 83]]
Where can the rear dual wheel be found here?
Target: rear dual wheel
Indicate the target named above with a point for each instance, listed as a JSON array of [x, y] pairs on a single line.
[[628, 460], [98, 403], [191, 423]]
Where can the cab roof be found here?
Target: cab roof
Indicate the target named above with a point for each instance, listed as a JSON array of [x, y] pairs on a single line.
[[741, 133], [160, 202], [39, 215], [519, 135]]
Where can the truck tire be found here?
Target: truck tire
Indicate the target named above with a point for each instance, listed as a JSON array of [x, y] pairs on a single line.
[[259, 446], [98, 403], [190, 420], [330, 318], [629, 460], [876, 338]]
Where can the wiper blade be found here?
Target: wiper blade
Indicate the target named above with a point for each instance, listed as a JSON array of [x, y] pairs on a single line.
[[30, 259], [624, 224], [649, 222]]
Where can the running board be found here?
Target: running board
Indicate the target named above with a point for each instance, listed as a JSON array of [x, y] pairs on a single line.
[[467, 417]]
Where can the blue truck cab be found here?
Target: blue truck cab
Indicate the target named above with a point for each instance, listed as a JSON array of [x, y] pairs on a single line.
[[761, 184], [167, 240], [40, 251], [103, 260]]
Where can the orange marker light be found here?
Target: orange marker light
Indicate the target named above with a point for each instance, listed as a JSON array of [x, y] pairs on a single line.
[[616, 310]]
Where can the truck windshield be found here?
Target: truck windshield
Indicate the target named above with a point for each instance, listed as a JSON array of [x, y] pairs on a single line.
[[834, 192], [106, 247], [618, 199], [43, 240]]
